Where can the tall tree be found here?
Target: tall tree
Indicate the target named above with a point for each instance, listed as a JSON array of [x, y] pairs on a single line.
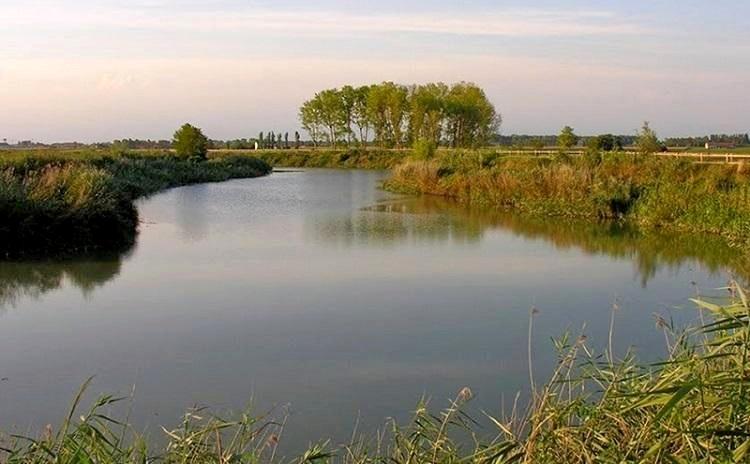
[[567, 138], [189, 142], [333, 114], [360, 115], [471, 117], [387, 106], [310, 116], [427, 112], [348, 96], [647, 141]]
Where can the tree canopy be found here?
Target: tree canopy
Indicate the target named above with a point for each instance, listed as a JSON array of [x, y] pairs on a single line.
[[567, 138], [605, 142], [647, 142], [189, 142], [396, 115]]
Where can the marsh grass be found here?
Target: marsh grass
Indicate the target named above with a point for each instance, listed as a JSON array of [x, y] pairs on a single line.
[[693, 407], [648, 191], [356, 158]]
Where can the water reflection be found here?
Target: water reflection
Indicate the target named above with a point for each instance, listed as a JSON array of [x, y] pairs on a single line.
[[317, 288], [191, 211], [32, 279], [432, 220]]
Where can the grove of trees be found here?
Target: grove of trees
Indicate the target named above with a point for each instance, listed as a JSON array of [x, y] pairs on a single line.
[[737, 139], [394, 115], [605, 142]]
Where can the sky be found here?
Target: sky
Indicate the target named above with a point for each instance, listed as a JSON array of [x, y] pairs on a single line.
[[97, 70]]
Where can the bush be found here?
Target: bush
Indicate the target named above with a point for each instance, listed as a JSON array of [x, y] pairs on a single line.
[[424, 149]]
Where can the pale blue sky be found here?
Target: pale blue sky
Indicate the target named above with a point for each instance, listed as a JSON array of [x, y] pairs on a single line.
[[96, 70]]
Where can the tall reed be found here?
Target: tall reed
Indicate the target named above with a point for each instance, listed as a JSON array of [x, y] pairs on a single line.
[[648, 191], [49, 206]]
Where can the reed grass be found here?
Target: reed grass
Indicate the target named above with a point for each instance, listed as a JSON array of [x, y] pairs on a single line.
[[648, 191], [74, 203], [692, 407], [355, 158]]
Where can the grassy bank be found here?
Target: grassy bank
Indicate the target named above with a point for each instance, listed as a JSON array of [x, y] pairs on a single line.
[[595, 408], [81, 202], [647, 191], [371, 158]]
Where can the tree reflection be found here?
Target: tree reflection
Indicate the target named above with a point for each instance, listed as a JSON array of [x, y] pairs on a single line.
[[433, 219], [32, 279]]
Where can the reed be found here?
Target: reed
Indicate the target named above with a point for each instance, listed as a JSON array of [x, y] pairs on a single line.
[[647, 191], [354, 158], [50, 205]]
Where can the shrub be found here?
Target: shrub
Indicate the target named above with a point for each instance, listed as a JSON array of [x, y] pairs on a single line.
[[424, 149]]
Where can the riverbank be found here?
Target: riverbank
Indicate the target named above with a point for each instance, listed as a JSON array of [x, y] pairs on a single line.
[[646, 191], [595, 407], [68, 203]]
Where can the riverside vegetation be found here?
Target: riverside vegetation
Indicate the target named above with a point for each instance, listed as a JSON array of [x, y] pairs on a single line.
[[692, 407], [640, 189], [68, 202], [595, 408], [82, 201], [56, 198]]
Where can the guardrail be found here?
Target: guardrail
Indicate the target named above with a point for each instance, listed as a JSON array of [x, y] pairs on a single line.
[[709, 157], [698, 157]]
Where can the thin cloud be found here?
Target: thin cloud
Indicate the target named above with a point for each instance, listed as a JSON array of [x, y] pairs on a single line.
[[510, 23]]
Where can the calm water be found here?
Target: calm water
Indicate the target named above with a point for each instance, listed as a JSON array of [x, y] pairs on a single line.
[[318, 290]]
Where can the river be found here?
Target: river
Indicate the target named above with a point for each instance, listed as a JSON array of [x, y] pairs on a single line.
[[317, 292]]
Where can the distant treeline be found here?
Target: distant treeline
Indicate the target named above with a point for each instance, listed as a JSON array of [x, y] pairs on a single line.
[[739, 140], [283, 140], [541, 141], [393, 115]]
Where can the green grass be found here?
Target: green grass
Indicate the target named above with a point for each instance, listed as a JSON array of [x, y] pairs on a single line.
[[67, 203], [648, 191], [692, 407]]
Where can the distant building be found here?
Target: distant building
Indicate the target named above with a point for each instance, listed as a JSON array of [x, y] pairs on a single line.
[[712, 145]]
